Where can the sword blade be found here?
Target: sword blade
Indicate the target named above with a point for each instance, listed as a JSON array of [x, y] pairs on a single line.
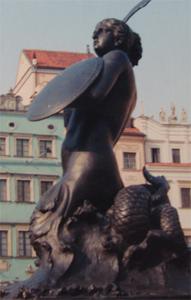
[[140, 5]]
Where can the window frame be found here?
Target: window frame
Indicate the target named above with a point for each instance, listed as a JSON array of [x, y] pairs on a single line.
[[9, 239], [7, 178], [51, 139], [23, 137], [53, 179], [1, 243], [6, 190], [158, 155], [181, 197], [173, 155], [22, 228], [30, 189], [135, 160], [24, 240], [45, 181], [6, 145]]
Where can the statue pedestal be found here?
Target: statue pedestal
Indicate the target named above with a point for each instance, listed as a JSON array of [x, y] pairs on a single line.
[[120, 254], [166, 281]]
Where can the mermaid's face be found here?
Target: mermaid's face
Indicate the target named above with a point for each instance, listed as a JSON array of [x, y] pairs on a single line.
[[103, 38]]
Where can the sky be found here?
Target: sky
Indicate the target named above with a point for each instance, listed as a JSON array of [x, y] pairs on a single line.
[[163, 76]]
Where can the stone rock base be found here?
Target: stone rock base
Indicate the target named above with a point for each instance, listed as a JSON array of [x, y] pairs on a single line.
[[166, 281]]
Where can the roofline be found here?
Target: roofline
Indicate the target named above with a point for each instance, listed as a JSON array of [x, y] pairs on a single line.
[[42, 50], [134, 134], [49, 68], [168, 164], [165, 124]]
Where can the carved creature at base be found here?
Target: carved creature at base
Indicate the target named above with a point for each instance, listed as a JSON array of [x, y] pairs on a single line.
[[102, 254]]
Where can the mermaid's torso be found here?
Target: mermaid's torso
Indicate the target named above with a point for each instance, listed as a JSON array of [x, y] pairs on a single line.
[[97, 124], [89, 165]]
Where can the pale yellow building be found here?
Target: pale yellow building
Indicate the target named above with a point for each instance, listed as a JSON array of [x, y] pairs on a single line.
[[130, 156], [168, 153]]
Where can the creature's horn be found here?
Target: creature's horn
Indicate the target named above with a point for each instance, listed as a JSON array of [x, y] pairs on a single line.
[[140, 5], [157, 181]]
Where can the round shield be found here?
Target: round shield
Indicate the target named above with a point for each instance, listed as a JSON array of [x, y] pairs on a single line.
[[65, 88]]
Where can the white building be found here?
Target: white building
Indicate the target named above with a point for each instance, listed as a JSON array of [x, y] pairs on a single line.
[[168, 153]]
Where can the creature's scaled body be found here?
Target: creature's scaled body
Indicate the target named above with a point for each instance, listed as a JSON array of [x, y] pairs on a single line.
[[130, 214], [141, 219]]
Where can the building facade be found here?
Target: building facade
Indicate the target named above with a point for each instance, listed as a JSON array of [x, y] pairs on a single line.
[[130, 155], [168, 153], [37, 67], [30, 157], [30, 164]]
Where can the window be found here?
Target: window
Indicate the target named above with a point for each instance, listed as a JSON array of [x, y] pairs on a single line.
[[155, 155], [12, 124], [129, 160], [50, 126], [3, 243], [176, 155], [23, 190], [45, 148], [22, 147], [3, 189], [45, 186], [186, 197], [24, 246], [2, 146]]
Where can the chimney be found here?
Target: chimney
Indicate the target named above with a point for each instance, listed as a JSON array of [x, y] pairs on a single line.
[[88, 49], [34, 59]]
